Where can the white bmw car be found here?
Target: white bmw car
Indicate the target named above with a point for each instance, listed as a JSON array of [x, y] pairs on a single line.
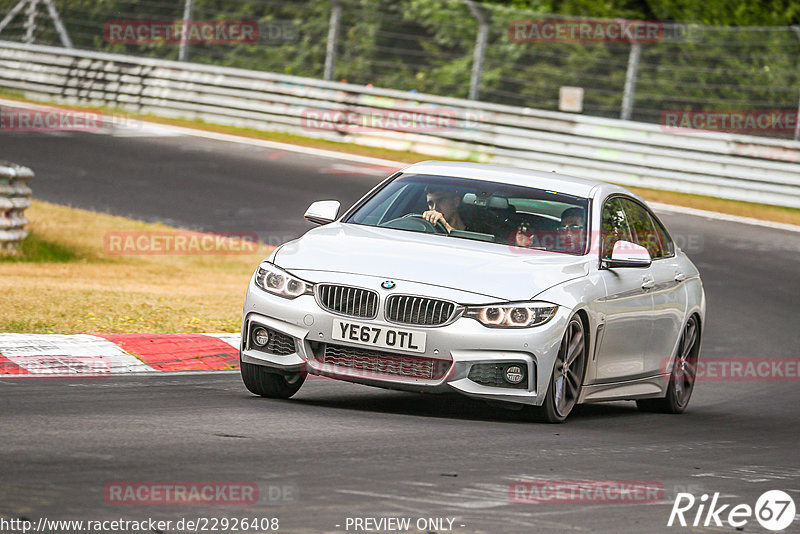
[[533, 289]]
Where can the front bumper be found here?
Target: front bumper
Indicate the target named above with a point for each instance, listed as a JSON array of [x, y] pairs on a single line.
[[455, 348]]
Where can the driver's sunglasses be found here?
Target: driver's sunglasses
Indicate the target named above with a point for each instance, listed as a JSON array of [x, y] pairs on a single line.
[[570, 227]]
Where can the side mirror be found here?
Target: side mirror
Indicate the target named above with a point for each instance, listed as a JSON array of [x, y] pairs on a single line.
[[627, 254], [322, 211]]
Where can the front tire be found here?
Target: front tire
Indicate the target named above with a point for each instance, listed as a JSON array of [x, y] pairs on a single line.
[[682, 376], [261, 381], [567, 378]]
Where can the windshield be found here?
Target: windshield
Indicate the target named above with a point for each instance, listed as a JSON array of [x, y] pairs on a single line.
[[479, 210]]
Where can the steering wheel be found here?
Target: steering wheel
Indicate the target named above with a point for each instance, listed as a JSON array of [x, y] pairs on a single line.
[[415, 221]]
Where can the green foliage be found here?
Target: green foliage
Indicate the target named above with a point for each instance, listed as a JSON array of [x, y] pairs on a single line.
[[428, 45], [34, 249]]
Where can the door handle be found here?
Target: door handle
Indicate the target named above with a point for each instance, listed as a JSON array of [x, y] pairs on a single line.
[[679, 276], [648, 283]]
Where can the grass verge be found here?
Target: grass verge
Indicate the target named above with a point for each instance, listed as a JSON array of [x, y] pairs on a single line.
[[733, 207], [64, 280]]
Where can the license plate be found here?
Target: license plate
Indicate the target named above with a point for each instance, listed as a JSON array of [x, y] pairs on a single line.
[[378, 336]]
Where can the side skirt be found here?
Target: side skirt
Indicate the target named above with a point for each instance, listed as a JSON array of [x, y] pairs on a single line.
[[641, 388]]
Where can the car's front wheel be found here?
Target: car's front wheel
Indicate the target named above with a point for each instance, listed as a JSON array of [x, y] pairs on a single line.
[[567, 378], [682, 375], [261, 381]]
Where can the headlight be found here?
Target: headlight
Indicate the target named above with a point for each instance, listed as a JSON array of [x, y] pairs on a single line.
[[512, 315], [275, 280]]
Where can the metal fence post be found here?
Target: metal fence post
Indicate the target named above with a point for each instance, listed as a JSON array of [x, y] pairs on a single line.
[[183, 51], [13, 13], [333, 37], [62, 31], [797, 125], [30, 22], [630, 81], [480, 48]]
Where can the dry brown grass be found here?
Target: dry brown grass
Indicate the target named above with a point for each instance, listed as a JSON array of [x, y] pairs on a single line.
[[88, 290], [721, 205]]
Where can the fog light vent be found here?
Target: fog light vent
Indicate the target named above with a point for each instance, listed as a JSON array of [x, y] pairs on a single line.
[[500, 375], [268, 340]]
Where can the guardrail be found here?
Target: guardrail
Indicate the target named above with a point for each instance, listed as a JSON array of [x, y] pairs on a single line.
[[14, 200], [740, 167]]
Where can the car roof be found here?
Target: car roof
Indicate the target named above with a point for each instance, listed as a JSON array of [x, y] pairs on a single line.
[[561, 183]]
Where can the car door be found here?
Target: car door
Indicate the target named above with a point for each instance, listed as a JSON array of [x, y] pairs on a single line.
[[668, 291], [626, 308]]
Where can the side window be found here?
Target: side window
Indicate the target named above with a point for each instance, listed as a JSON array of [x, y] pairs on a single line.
[[666, 240], [643, 228], [613, 227]]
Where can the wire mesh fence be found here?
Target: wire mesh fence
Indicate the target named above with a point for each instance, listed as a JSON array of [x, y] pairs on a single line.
[[458, 48]]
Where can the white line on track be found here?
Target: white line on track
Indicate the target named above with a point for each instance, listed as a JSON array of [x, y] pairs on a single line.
[[166, 128], [723, 216]]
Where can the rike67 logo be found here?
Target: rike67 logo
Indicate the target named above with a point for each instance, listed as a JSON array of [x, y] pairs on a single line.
[[774, 510]]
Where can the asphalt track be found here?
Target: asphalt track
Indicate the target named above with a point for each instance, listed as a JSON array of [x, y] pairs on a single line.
[[342, 450]]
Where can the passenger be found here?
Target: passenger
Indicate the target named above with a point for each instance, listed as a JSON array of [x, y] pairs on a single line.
[[568, 235], [524, 236], [572, 230]]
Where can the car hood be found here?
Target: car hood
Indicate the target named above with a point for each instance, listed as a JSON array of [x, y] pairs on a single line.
[[486, 269]]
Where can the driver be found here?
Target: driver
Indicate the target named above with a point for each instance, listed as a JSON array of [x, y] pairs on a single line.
[[443, 207]]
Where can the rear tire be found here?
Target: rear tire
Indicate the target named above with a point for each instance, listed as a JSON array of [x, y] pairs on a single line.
[[682, 376], [566, 380], [261, 381]]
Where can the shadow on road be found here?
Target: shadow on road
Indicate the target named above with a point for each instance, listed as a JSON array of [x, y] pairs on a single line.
[[452, 406]]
